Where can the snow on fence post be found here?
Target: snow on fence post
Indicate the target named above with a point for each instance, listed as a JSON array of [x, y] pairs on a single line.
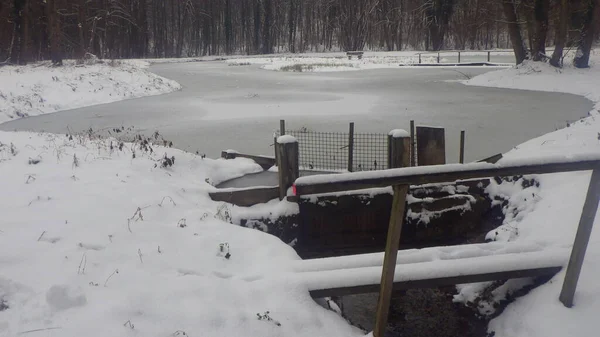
[[399, 148], [431, 145], [461, 157], [350, 146], [584, 230], [389, 259], [287, 163], [413, 158]]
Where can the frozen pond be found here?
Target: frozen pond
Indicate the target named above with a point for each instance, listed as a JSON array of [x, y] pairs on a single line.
[[238, 107]]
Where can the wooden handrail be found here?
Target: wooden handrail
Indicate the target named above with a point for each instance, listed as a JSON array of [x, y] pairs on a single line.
[[441, 173]]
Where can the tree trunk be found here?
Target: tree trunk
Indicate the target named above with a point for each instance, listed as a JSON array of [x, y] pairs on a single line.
[[582, 57], [17, 45], [541, 29], [561, 34], [514, 31]]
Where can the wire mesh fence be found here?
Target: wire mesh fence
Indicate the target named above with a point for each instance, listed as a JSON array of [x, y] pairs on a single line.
[[370, 152], [330, 151]]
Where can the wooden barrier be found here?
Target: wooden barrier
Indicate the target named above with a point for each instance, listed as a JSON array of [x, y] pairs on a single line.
[[431, 146], [401, 178]]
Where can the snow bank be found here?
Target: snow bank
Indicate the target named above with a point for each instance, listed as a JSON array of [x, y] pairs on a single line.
[[552, 213], [330, 63], [39, 88], [103, 239]]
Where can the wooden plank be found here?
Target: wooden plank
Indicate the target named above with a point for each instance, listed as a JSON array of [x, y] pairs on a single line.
[[246, 197], [461, 157], [438, 282], [584, 230], [446, 173], [493, 159], [389, 259], [413, 152], [431, 145]]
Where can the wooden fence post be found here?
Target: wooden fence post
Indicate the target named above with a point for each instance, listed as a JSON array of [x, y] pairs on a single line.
[[584, 230], [281, 127], [399, 150], [413, 152], [438, 58], [461, 157], [350, 147], [458, 57], [488, 56], [389, 260], [431, 145], [419, 58], [287, 163]]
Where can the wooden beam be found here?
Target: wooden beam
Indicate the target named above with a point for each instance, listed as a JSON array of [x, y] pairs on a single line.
[[437, 174], [389, 259], [438, 282], [247, 196], [264, 161], [584, 230]]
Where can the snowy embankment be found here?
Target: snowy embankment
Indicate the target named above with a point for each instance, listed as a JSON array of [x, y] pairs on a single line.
[[549, 213], [40, 88], [103, 238], [327, 64]]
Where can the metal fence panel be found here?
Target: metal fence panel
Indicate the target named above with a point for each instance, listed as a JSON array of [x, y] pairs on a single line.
[[328, 151]]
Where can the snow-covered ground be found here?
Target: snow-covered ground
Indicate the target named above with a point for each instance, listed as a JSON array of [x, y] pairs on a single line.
[[550, 213], [101, 238], [40, 88], [97, 241]]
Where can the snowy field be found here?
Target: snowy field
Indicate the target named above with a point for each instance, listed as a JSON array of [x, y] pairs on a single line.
[[39, 88], [95, 241], [101, 238]]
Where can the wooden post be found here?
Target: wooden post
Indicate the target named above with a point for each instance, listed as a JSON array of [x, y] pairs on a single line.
[[461, 158], [584, 230], [281, 127], [389, 260], [399, 149], [419, 58], [350, 146], [458, 57], [488, 56], [413, 152], [287, 163], [438, 58], [389, 151], [431, 146]]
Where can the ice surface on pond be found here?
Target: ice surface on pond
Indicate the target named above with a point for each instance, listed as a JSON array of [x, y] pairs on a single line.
[[222, 107]]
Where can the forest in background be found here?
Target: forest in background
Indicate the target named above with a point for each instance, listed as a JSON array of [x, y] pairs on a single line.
[[33, 30]]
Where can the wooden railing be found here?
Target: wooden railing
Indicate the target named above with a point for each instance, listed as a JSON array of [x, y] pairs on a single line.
[[401, 178]]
